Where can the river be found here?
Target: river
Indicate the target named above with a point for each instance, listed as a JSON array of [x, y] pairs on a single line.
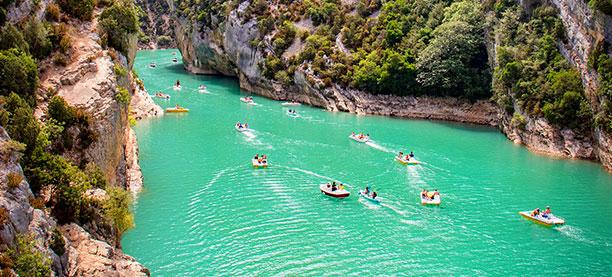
[[205, 210]]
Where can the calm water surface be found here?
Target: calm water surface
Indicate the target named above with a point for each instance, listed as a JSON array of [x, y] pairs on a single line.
[[206, 211]]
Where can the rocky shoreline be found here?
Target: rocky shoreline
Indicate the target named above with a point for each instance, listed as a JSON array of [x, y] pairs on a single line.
[[227, 51]]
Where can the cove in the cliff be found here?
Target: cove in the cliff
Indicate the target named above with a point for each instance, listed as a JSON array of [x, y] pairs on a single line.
[[206, 211]]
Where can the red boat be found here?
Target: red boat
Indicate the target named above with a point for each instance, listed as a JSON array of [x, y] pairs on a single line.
[[338, 193]]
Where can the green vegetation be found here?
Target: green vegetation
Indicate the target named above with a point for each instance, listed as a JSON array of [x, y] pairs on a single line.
[[532, 70], [19, 74], [81, 9], [604, 6], [52, 13], [26, 260], [11, 37], [118, 23], [116, 208], [122, 95], [119, 70], [602, 63]]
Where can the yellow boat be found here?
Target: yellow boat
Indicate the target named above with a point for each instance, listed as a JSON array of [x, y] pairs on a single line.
[[177, 110]]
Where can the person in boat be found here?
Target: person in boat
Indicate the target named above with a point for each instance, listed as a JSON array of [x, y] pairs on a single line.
[[178, 83], [400, 154], [367, 190], [352, 134], [374, 194], [546, 213], [367, 135], [434, 194], [341, 186], [334, 188], [264, 158], [535, 212], [202, 87], [424, 194], [246, 125], [411, 154], [256, 157], [177, 106]]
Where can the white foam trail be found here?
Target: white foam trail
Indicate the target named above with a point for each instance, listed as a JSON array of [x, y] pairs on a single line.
[[379, 147], [315, 174], [573, 232]]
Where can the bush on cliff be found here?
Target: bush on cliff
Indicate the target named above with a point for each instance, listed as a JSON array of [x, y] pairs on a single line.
[[117, 209], [118, 22], [19, 74], [27, 259], [81, 9], [11, 37]]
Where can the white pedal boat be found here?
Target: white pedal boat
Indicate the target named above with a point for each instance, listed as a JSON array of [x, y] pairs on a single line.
[[357, 139], [339, 193]]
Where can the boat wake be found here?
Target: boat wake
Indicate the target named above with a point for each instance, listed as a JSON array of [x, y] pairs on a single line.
[[574, 233], [375, 145]]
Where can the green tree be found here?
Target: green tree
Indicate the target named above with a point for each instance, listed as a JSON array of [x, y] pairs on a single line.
[[81, 9], [11, 37], [118, 22], [19, 74]]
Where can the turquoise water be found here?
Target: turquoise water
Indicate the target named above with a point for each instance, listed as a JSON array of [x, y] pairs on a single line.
[[206, 211]]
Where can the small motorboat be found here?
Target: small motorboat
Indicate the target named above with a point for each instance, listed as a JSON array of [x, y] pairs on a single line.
[[174, 60], [173, 53], [177, 110], [248, 100], [176, 87], [291, 103], [428, 201], [369, 197], [550, 220], [162, 95], [257, 164], [338, 193], [403, 160], [241, 128], [152, 65], [292, 114], [359, 138]]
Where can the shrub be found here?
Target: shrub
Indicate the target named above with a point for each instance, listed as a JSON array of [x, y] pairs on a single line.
[[37, 36], [37, 202], [11, 37], [65, 44], [4, 216], [164, 41], [282, 77], [57, 242], [604, 6], [19, 74], [22, 126], [119, 70], [10, 147], [60, 59], [59, 110], [117, 23], [14, 179], [6, 262], [116, 209], [53, 12], [518, 120], [96, 176], [122, 96], [28, 261], [81, 9]]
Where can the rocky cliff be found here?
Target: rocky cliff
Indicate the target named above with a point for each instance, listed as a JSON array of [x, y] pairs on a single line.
[[90, 80], [228, 49]]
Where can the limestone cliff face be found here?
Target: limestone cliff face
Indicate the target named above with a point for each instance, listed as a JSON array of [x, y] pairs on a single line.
[[585, 28], [227, 50]]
